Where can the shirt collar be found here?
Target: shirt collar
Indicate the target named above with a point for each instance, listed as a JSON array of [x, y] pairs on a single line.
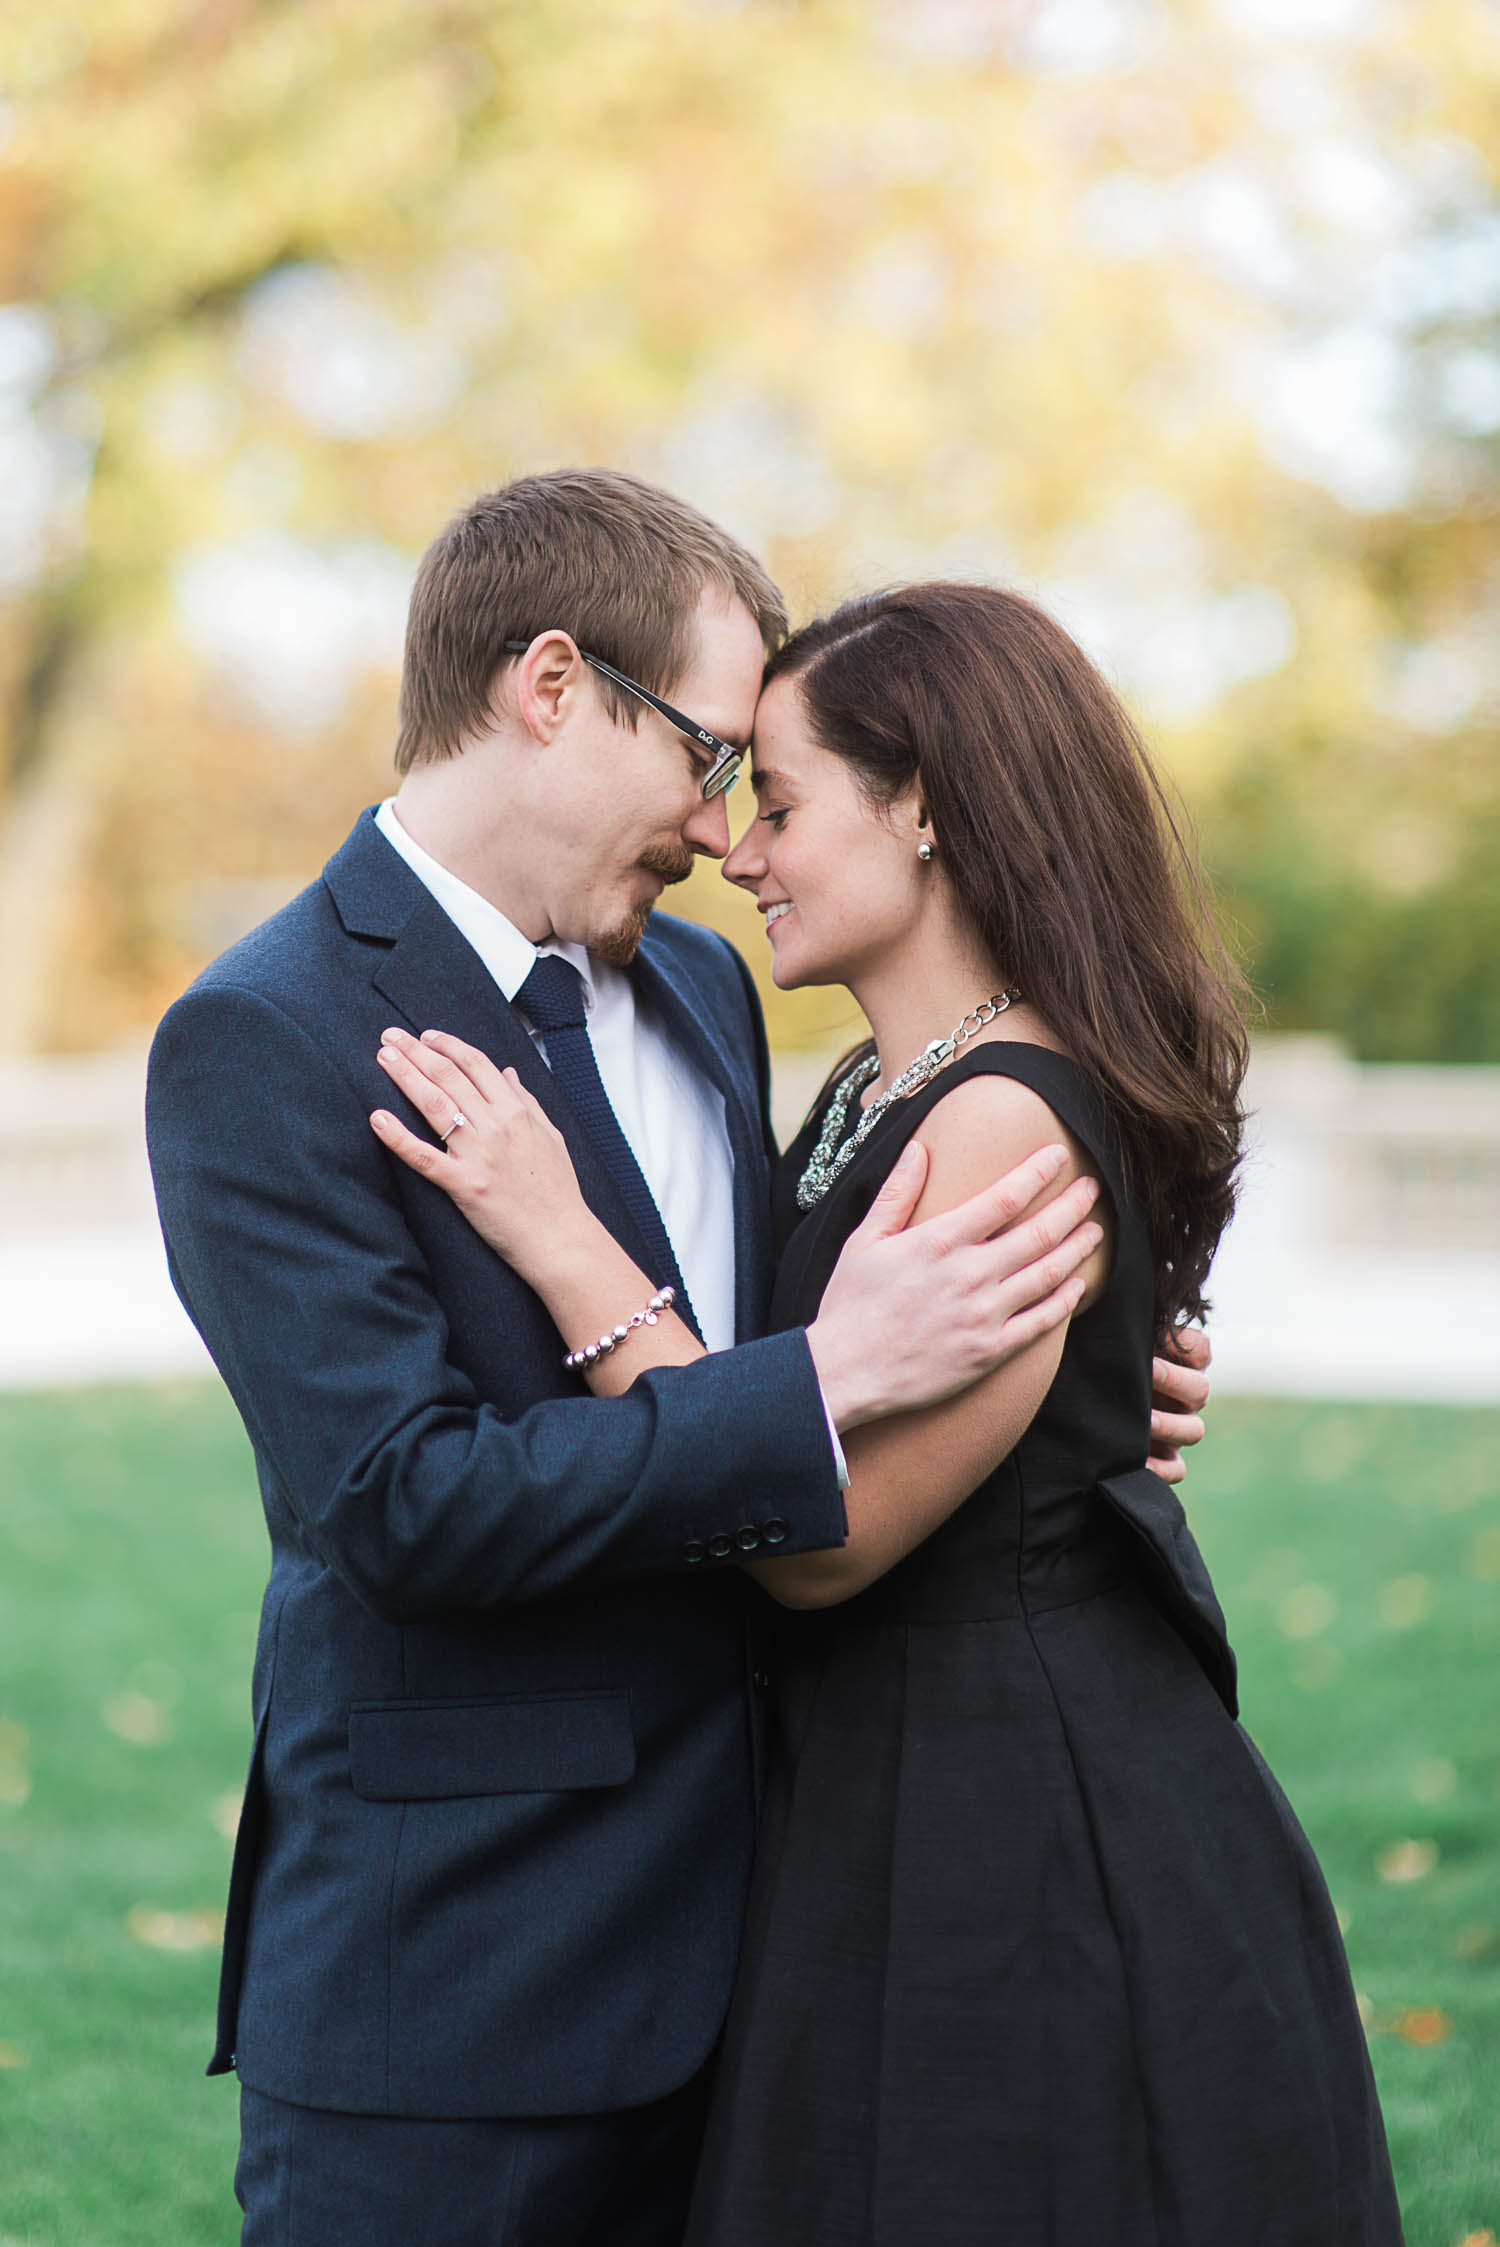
[[508, 955]]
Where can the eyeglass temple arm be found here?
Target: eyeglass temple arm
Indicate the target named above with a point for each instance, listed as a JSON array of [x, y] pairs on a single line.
[[678, 718]]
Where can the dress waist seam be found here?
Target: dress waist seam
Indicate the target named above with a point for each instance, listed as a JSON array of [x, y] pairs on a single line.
[[1025, 1611]]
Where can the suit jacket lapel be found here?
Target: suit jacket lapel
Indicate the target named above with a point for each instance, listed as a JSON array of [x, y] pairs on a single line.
[[692, 1021], [435, 979]]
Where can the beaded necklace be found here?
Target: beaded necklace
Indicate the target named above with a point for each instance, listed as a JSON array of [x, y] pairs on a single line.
[[833, 1152]]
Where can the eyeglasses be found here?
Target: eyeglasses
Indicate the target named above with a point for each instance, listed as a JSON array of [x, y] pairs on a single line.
[[724, 770]]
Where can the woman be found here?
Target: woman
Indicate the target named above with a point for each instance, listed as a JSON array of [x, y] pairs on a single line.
[[1036, 1951]]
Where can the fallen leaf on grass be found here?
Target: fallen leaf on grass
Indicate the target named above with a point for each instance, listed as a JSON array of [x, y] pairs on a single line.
[[1307, 1611], [1477, 2239], [1330, 1449], [1421, 2024], [1414, 2024], [1312, 1669], [174, 1931], [15, 1779], [1403, 1861], [136, 1718], [1484, 1555], [1434, 1780], [1406, 1600], [10, 2057]]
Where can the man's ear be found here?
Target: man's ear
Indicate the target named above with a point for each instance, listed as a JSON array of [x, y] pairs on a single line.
[[545, 683]]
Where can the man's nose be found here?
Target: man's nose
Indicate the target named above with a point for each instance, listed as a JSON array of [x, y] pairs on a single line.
[[706, 828]]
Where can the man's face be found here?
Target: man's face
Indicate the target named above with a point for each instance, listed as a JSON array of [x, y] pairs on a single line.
[[623, 811]]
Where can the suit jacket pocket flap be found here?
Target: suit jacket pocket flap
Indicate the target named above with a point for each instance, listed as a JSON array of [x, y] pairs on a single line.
[[1176, 1572], [424, 1751]]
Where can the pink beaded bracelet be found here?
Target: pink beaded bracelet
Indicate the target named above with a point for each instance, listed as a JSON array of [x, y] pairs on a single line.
[[577, 1360]]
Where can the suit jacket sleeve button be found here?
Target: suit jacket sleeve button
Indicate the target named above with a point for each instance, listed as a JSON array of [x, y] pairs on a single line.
[[748, 1540], [721, 1547], [774, 1531], [693, 1551]]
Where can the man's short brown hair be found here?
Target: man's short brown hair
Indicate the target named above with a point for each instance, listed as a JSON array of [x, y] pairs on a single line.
[[615, 562]]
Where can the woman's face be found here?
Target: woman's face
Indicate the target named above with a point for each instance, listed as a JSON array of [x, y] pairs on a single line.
[[837, 878]]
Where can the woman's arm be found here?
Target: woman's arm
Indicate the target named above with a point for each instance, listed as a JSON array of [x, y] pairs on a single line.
[[911, 1314], [508, 1169], [909, 1473]]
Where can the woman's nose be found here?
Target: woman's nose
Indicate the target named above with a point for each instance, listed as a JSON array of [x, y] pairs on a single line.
[[746, 863]]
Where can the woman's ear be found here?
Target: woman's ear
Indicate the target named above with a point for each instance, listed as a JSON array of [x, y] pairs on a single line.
[[907, 814]]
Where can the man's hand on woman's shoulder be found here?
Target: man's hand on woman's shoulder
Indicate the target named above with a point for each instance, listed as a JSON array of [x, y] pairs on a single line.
[[912, 1316], [1179, 1394]]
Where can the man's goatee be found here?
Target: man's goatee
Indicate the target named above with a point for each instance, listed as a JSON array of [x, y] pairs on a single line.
[[671, 864]]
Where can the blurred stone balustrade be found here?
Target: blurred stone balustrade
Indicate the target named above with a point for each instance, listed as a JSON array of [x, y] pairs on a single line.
[[1364, 1260], [72, 1153], [84, 1293], [1389, 1157]]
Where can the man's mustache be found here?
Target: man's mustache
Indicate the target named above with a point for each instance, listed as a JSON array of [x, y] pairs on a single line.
[[672, 862]]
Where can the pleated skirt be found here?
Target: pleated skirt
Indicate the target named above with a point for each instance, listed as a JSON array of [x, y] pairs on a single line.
[[1037, 1956]]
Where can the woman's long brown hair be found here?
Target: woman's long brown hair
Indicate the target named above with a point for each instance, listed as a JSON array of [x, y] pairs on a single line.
[[1061, 846]]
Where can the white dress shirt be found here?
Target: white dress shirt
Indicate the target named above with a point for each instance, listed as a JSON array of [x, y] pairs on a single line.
[[672, 1116]]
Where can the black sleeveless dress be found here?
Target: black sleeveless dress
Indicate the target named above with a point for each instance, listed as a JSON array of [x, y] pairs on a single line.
[[1037, 1954]]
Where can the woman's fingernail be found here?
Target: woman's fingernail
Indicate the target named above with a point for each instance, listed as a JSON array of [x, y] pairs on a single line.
[[391, 1035], [907, 1156], [381, 1118], [429, 1037]]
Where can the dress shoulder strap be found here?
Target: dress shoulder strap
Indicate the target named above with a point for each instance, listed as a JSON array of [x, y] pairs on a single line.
[[1055, 1079], [809, 1241]]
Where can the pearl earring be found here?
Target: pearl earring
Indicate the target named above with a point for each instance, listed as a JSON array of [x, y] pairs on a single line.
[[925, 852]]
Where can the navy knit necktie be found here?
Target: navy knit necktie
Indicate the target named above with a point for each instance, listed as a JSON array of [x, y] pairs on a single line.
[[552, 999]]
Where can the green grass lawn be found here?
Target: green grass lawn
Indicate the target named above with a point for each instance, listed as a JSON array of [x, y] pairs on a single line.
[[1357, 1551]]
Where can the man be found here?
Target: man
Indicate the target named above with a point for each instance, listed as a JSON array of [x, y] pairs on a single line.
[[488, 1885]]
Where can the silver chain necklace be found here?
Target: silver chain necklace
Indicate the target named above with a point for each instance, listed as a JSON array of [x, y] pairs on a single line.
[[834, 1153]]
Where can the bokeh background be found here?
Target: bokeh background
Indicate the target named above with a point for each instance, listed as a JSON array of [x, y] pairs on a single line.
[[1184, 315]]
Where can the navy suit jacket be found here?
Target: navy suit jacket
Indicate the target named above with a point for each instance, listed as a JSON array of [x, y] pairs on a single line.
[[498, 1829]]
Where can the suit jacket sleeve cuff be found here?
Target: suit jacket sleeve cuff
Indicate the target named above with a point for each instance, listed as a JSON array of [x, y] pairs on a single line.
[[771, 1410]]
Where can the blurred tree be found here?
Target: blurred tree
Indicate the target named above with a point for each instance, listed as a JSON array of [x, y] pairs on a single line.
[[1184, 319]]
